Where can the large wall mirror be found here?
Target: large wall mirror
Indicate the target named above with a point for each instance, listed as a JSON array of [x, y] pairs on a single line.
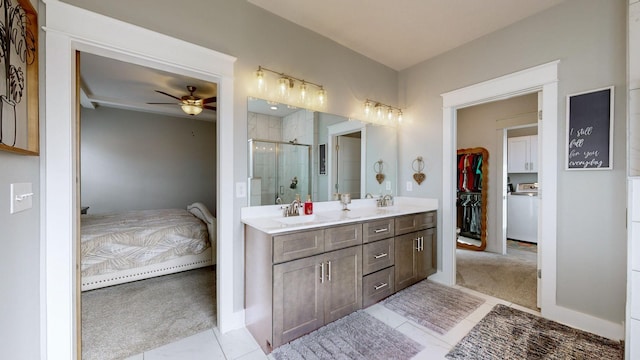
[[295, 151], [471, 202]]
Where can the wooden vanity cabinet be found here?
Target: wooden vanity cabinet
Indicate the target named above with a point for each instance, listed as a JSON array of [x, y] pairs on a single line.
[[415, 248], [299, 281], [287, 297]]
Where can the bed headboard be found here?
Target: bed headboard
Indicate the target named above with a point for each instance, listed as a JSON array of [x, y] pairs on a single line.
[[200, 211]]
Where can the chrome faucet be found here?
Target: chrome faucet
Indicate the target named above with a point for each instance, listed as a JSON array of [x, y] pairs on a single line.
[[384, 201], [292, 209]]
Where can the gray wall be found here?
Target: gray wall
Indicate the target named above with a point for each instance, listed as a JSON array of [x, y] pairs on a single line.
[[134, 161], [257, 37], [20, 258], [482, 126], [588, 37]]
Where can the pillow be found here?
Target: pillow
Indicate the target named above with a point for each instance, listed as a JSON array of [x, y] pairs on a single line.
[[201, 212]]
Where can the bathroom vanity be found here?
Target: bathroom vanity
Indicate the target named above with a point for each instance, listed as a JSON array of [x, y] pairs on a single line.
[[303, 272]]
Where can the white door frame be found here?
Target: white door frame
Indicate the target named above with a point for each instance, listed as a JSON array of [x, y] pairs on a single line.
[[343, 128], [545, 78], [70, 29]]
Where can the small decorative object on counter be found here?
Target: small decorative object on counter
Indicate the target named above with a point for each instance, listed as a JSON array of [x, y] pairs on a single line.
[[377, 167], [418, 166], [308, 206]]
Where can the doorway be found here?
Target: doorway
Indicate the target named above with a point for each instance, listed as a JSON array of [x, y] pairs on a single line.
[[348, 164], [545, 78], [140, 162], [503, 269], [69, 31]]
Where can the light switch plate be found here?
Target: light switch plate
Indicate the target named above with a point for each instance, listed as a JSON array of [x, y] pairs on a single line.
[[388, 185], [409, 186], [21, 197], [241, 189]]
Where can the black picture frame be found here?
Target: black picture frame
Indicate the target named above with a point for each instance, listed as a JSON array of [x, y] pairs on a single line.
[[590, 117]]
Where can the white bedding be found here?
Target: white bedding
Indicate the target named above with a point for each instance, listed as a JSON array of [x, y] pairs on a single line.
[[122, 241]]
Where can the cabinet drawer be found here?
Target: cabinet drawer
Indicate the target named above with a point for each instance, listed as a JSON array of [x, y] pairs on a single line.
[[342, 237], [410, 223], [377, 230], [377, 286], [377, 255], [297, 245]]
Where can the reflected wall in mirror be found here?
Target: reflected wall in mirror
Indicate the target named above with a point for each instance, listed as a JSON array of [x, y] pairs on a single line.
[[471, 201], [285, 142]]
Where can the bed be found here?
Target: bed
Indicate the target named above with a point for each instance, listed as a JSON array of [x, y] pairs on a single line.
[[134, 245]]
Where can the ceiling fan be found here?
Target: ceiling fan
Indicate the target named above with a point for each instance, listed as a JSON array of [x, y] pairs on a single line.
[[190, 104]]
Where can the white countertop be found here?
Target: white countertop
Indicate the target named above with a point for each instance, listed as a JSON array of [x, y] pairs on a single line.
[[269, 219]]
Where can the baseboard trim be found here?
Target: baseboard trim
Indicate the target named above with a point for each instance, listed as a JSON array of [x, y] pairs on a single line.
[[584, 322]]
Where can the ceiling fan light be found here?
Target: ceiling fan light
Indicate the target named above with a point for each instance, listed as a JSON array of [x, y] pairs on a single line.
[[191, 108]]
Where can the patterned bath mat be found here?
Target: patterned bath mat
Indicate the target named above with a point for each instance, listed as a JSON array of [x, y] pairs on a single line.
[[356, 336], [507, 333], [434, 306]]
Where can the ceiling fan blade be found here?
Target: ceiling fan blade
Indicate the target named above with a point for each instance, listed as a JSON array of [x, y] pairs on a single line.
[[210, 100], [208, 107], [164, 93], [157, 103]]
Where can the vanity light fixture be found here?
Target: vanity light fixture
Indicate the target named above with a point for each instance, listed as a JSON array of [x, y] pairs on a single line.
[[289, 92], [381, 114]]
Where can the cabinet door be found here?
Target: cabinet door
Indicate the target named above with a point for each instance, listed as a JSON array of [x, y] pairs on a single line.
[[517, 154], [298, 298], [427, 254], [533, 153], [406, 269], [343, 283]]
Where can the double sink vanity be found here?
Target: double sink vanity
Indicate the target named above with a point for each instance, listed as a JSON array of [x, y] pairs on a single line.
[[302, 272]]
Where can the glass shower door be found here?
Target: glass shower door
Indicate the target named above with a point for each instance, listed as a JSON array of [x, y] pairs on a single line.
[[278, 172]]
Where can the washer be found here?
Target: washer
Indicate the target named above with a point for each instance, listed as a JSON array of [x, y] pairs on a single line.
[[522, 213]]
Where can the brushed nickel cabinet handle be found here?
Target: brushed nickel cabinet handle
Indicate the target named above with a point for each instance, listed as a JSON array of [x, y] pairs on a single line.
[[380, 255], [329, 271], [417, 243], [380, 286], [322, 273], [377, 231]]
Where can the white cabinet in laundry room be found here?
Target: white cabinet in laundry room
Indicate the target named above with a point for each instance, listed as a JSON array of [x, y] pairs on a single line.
[[522, 154]]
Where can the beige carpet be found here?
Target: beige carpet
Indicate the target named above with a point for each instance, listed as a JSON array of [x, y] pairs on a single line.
[[128, 319], [510, 277], [509, 334]]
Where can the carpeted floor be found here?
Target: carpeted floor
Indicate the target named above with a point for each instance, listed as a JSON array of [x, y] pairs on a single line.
[[507, 333], [434, 306], [124, 320], [355, 336], [510, 277]]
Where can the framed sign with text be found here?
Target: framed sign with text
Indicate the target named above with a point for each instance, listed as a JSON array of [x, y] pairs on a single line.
[[590, 130]]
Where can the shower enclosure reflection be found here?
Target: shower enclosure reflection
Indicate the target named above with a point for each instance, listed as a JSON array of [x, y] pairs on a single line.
[[278, 171]]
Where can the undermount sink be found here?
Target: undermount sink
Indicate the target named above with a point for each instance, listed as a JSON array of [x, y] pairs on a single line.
[[301, 219]]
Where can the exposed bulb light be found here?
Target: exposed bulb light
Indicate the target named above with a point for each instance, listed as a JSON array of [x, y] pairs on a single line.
[[303, 92], [384, 114], [289, 92], [260, 80], [322, 97]]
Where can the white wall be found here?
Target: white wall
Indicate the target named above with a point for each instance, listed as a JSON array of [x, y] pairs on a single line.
[[482, 126], [588, 37], [135, 161]]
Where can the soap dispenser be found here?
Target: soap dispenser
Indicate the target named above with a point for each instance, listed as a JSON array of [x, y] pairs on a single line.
[[308, 206]]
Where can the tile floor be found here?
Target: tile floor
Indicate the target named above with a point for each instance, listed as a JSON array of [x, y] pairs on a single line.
[[239, 344]]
